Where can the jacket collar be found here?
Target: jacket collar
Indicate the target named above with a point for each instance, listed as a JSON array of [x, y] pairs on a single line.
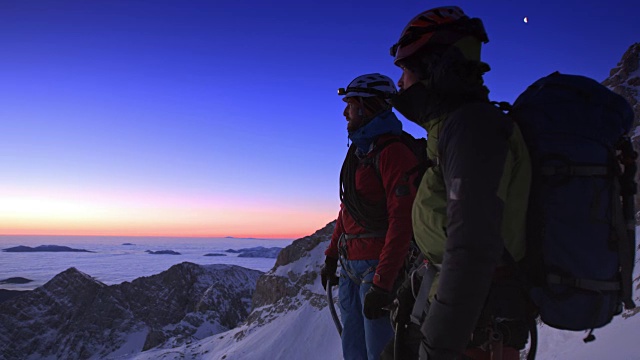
[[385, 123]]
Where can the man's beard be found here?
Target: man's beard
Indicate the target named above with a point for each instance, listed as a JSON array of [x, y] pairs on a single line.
[[355, 124]]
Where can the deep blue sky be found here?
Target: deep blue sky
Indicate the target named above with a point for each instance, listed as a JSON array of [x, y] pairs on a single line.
[[221, 117]]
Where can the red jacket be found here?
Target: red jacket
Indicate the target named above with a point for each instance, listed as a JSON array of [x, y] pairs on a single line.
[[394, 162]]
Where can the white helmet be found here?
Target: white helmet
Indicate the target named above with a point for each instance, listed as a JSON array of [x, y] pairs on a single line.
[[370, 85]]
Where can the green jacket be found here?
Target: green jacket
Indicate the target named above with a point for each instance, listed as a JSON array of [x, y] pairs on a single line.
[[468, 209]]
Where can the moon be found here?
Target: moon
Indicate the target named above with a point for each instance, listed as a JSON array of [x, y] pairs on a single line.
[[526, 19]]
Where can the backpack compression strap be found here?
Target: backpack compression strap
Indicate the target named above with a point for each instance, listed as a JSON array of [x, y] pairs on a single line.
[[623, 216]]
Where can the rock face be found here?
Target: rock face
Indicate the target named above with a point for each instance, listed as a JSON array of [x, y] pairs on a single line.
[[624, 79], [289, 284], [73, 316]]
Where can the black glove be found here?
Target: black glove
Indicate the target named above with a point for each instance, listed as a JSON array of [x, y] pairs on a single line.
[[328, 272], [374, 301], [403, 304]]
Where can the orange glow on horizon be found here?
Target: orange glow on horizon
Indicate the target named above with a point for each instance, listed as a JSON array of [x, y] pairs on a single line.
[[275, 231], [75, 214], [79, 217], [148, 233]]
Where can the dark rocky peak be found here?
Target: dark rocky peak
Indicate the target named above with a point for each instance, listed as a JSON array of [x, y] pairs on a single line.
[[302, 246], [624, 79], [71, 279], [71, 287], [293, 281], [187, 287]]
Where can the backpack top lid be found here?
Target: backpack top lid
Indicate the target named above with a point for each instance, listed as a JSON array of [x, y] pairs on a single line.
[[593, 110]]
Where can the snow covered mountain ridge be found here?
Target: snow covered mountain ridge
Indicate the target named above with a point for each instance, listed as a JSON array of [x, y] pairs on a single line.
[[74, 316]]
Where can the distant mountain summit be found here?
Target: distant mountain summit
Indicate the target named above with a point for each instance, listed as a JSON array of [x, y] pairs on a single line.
[[163, 252], [624, 79], [74, 316], [43, 248], [258, 251]]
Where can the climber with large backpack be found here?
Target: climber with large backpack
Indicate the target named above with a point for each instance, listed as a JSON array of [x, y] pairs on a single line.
[[373, 230], [470, 209], [528, 210]]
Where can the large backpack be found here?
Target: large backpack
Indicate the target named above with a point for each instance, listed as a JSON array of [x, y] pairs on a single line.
[[580, 221]]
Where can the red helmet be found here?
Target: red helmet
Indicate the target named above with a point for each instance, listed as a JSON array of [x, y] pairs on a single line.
[[443, 26]]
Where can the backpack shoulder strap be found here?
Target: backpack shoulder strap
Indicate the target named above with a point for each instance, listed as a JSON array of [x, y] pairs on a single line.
[[374, 160]]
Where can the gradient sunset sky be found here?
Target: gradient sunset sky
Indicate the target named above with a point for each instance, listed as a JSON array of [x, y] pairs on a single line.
[[220, 118]]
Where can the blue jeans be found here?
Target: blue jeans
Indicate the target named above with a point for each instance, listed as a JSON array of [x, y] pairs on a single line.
[[362, 339]]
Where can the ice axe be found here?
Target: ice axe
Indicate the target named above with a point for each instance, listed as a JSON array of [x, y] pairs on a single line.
[[332, 309]]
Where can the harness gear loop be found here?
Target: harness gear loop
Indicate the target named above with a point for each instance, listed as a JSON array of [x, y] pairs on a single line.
[[343, 254]]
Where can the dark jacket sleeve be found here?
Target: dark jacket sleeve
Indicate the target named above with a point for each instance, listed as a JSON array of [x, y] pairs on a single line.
[[395, 162], [473, 147]]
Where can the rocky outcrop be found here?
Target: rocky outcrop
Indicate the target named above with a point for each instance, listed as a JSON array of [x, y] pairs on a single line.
[[624, 79], [74, 316], [301, 247], [293, 281]]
